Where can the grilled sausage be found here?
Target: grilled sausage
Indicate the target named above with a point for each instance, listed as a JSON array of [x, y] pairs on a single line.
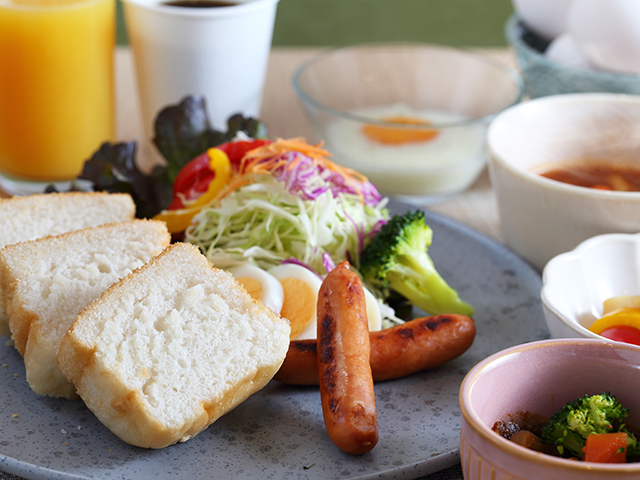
[[344, 372], [417, 345]]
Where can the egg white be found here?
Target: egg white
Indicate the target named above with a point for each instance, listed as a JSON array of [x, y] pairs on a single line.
[[374, 314], [272, 291]]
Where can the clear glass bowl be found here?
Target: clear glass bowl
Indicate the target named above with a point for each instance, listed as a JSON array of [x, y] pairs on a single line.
[[370, 104]]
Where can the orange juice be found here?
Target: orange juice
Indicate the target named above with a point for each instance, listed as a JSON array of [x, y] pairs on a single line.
[[56, 85]]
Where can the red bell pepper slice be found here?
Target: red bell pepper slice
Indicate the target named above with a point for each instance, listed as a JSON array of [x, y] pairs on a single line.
[[192, 181], [194, 178], [236, 150]]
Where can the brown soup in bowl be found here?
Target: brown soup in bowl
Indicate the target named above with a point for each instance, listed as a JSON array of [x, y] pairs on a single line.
[[601, 176]]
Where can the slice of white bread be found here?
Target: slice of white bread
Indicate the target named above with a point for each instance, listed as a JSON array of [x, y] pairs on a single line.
[[50, 280], [36, 216], [170, 348]]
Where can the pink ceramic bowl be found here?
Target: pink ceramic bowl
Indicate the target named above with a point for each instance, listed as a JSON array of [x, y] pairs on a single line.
[[541, 377]]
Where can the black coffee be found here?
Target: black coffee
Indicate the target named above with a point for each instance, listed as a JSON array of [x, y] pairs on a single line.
[[199, 3]]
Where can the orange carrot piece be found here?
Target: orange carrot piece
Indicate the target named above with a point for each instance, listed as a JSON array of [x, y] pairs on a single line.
[[606, 448]]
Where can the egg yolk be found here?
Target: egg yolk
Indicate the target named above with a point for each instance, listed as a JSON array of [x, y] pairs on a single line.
[[299, 306], [398, 136], [252, 286]]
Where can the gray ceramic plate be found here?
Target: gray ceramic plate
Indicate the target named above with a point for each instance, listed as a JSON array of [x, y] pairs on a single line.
[[279, 432]]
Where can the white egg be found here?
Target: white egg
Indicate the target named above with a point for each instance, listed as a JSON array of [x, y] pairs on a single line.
[[300, 306], [374, 314], [608, 32], [301, 287], [260, 284], [565, 51], [546, 18]]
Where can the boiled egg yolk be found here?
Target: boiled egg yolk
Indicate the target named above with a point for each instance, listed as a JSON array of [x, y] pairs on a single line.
[[387, 135], [301, 288], [260, 285], [292, 291]]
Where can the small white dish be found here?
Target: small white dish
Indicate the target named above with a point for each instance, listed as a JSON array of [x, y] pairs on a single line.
[[576, 283]]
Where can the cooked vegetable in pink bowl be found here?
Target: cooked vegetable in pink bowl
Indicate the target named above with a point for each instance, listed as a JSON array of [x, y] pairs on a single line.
[[552, 409]]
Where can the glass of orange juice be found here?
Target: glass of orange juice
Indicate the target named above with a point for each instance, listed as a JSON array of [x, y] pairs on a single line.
[[56, 88]]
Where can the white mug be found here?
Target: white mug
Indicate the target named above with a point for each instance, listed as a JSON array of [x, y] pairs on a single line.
[[220, 52]]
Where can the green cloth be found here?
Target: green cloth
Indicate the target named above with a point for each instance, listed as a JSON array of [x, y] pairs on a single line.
[[319, 23]]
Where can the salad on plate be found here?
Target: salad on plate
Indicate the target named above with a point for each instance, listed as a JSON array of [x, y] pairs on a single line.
[[278, 214]]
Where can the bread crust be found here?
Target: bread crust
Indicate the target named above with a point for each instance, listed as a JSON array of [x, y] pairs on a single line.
[[38, 317], [127, 410], [24, 218]]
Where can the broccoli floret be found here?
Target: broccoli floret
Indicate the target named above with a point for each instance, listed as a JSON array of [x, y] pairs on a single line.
[[570, 426], [633, 447], [396, 259]]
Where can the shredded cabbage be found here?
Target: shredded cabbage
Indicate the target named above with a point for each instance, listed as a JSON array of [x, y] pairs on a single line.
[[268, 221]]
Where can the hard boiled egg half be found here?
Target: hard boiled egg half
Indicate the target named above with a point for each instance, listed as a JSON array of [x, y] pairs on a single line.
[[295, 297], [260, 285], [301, 288]]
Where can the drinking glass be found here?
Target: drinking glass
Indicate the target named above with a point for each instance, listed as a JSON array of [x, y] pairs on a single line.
[[56, 88]]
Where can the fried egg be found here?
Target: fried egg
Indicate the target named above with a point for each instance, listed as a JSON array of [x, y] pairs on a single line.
[[260, 284], [435, 157]]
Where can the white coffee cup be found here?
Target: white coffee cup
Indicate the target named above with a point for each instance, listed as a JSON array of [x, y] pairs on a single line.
[[221, 53]]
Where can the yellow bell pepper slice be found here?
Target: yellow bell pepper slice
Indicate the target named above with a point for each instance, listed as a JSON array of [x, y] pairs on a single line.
[[178, 220], [625, 316]]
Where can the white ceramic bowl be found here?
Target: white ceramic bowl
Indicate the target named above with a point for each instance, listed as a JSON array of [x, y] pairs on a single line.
[[542, 218], [541, 377], [349, 91], [575, 284]]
